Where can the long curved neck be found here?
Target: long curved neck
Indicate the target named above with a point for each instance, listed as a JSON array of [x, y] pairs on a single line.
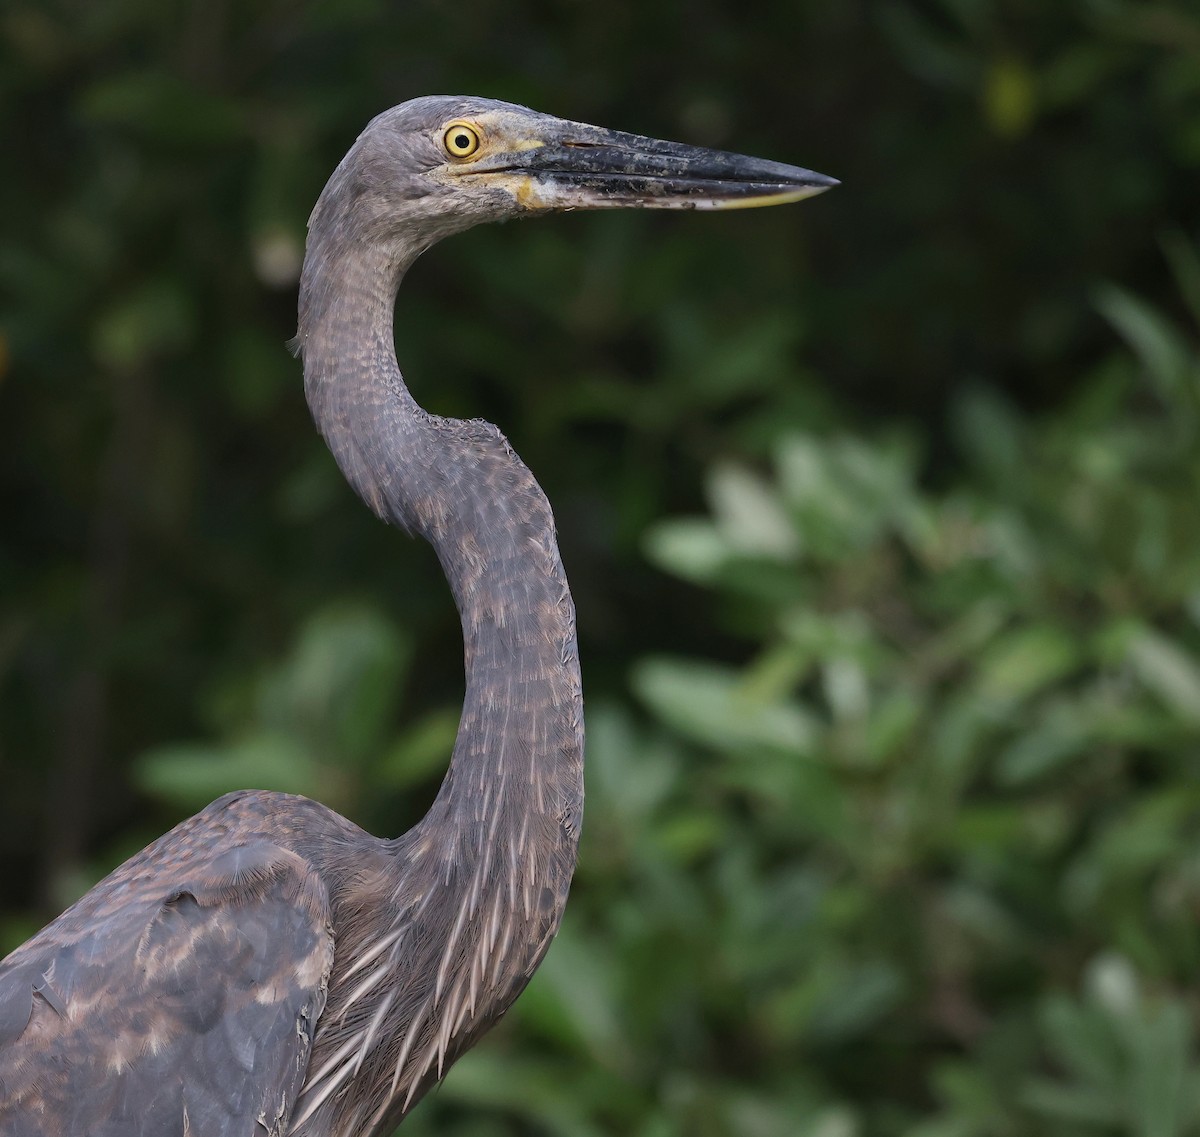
[[461, 487]]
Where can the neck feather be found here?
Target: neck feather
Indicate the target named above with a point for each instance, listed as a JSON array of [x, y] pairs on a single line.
[[461, 487]]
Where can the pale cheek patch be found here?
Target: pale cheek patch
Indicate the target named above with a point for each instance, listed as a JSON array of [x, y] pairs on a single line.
[[525, 144], [531, 195]]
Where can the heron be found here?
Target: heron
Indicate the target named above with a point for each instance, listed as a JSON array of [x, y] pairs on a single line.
[[268, 967]]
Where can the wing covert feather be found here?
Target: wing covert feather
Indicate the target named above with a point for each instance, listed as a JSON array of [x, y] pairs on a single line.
[[183, 1008]]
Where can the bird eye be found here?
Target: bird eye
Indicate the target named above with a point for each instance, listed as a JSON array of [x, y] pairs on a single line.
[[460, 140]]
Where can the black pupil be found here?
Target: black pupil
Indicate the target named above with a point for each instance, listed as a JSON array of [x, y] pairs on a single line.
[[462, 141]]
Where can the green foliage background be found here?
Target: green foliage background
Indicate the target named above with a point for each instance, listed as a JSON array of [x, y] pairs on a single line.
[[880, 512]]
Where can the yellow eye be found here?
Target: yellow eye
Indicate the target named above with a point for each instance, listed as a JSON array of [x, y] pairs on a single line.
[[461, 140]]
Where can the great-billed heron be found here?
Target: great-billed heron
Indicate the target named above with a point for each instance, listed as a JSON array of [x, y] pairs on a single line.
[[267, 967]]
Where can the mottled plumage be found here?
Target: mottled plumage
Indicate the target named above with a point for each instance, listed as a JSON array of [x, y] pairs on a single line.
[[267, 967]]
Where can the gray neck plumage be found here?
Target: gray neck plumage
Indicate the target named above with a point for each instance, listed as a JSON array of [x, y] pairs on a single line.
[[461, 487]]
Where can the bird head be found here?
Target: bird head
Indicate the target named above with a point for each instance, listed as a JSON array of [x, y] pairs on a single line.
[[449, 162]]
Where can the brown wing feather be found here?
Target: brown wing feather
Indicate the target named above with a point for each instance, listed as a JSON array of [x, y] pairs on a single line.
[[180, 996]]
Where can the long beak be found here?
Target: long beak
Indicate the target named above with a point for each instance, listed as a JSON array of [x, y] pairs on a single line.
[[576, 166]]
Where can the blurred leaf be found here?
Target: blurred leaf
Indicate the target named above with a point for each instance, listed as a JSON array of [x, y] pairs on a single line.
[[706, 702], [1184, 259], [1168, 360], [1168, 671], [688, 547], [990, 434], [1024, 661], [1058, 735], [191, 776], [154, 319], [749, 515], [420, 751], [339, 685], [1009, 100]]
